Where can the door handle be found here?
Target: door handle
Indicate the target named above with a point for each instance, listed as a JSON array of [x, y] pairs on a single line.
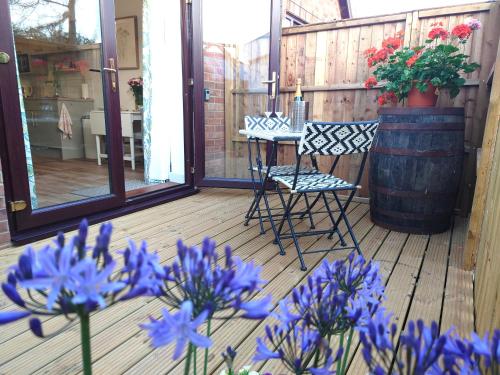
[[273, 82], [113, 71], [4, 57]]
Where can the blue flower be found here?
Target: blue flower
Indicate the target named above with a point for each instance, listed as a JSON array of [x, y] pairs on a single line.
[[296, 345], [179, 327], [145, 274], [10, 291], [200, 278], [55, 272], [255, 309], [12, 316], [92, 285], [263, 353], [36, 327]]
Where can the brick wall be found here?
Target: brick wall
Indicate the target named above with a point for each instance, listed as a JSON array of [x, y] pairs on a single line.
[[313, 11], [213, 57], [4, 226]]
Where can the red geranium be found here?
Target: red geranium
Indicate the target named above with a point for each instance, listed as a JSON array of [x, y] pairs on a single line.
[[370, 82], [438, 32], [377, 57], [370, 51], [390, 44], [387, 97], [461, 31]]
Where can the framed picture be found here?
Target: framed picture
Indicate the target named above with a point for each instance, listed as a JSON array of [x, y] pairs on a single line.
[[127, 43], [23, 62]]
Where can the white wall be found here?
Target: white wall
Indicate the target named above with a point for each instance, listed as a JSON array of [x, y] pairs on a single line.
[[126, 8]]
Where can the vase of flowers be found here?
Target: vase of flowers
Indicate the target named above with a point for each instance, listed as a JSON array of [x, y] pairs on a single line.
[[421, 72], [136, 85]]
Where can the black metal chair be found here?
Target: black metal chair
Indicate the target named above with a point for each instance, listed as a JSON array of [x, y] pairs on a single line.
[[258, 171], [327, 139]]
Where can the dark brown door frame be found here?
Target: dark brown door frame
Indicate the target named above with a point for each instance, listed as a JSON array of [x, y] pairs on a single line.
[[199, 106], [26, 225], [12, 127]]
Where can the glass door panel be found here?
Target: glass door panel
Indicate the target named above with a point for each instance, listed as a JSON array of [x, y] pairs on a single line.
[[151, 94], [62, 124], [235, 63], [59, 62]]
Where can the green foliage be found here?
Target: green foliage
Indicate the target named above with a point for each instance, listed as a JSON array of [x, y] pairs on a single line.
[[438, 64]]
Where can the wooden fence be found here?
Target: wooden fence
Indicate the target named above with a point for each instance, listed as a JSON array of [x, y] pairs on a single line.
[[328, 57], [483, 236]]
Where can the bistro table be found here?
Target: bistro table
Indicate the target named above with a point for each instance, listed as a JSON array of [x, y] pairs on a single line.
[[275, 137]]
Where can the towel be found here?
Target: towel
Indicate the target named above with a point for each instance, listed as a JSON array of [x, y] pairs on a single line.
[[65, 122]]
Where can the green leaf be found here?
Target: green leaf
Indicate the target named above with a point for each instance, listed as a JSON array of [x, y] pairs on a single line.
[[436, 81], [421, 86], [454, 91]]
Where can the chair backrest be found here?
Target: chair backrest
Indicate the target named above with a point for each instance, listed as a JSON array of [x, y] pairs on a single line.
[[337, 138], [267, 123]]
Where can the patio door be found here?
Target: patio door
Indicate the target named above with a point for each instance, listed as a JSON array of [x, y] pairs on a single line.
[[236, 73], [60, 57]]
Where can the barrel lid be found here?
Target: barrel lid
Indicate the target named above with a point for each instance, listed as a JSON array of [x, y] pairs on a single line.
[[457, 111]]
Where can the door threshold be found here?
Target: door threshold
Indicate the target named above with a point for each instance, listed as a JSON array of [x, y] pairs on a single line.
[[133, 205]]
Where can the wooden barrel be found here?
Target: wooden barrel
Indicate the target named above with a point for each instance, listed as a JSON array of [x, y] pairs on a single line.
[[415, 168]]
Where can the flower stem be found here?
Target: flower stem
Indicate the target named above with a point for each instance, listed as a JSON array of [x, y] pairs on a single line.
[[205, 365], [195, 365], [85, 338], [339, 363], [187, 364], [346, 353]]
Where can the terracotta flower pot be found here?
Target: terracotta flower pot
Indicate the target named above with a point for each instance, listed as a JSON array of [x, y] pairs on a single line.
[[422, 99]]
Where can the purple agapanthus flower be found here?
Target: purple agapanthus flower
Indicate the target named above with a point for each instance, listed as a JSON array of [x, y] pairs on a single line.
[[300, 348], [422, 350], [210, 286], [54, 273], [477, 355], [145, 274], [180, 327], [64, 278], [91, 285], [338, 297]]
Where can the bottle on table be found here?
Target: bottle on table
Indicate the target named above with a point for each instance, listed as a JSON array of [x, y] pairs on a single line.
[[298, 91]]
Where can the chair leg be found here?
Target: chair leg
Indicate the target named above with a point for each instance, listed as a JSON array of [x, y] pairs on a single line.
[[132, 152], [315, 201], [309, 208], [348, 225], [277, 239], [98, 149], [282, 221], [255, 207], [286, 214], [256, 192], [335, 224]]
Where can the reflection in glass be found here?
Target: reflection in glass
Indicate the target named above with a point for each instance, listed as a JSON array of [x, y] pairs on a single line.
[[58, 47], [236, 61], [59, 59]]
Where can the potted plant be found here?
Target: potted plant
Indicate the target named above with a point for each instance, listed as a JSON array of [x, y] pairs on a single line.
[[136, 85], [417, 154], [420, 73]]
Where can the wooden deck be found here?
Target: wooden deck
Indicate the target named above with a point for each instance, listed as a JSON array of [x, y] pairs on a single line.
[[423, 274]]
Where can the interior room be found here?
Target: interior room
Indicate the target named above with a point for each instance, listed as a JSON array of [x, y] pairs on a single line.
[[59, 49]]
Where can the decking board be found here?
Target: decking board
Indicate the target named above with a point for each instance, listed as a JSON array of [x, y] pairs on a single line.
[[423, 278]]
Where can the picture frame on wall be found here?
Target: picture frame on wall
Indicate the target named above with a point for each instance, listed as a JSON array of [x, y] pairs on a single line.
[[23, 63], [127, 43]]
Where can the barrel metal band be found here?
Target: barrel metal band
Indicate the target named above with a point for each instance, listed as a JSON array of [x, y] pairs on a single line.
[[406, 152], [440, 126], [409, 193]]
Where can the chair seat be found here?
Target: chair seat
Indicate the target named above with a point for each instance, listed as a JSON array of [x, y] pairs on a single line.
[[285, 170], [314, 183]]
